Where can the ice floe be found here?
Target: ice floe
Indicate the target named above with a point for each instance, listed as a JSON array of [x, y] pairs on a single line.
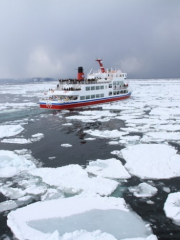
[[12, 193], [10, 130], [172, 207], [74, 179], [143, 190], [106, 133], [68, 216], [110, 168], [152, 161], [12, 164], [66, 145], [160, 136], [35, 138], [16, 140]]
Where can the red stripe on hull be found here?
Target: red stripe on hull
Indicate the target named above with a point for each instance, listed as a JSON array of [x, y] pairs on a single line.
[[82, 104]]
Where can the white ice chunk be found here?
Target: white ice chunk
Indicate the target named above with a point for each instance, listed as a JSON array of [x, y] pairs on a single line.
[[10, 130], [51, 194], [153, 161], [161, 136], [12, 193], [110, 168], [36, 190], [12, 164], [74, 179], [143, 190], [172, 207], [89, 139], [8, 205], [16, 140], [68, 216], [106, 133], [66, 145]]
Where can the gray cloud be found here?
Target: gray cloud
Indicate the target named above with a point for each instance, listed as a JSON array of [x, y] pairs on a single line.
[[52, 38]]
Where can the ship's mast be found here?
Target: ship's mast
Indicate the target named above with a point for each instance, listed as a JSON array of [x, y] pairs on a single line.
[[101, 65]]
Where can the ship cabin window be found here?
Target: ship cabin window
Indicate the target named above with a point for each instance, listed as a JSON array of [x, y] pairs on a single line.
[[114, 83], [117, 83], [102, 87], [92, 96], [97, 95], [97, 87], [110, 93], [110, 85], [114, 93], [93, 88], [117, 92], [87, 88], [82, 97], [102, 95], [88, 97]]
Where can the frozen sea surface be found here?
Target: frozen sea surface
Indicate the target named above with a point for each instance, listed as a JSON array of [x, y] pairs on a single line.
[[127, 150]]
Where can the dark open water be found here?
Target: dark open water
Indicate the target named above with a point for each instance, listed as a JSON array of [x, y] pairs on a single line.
[[50, 124]]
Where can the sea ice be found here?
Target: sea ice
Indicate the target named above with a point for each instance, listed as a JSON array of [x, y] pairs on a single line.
[[160, 136], [74, 179], [172, 207], [110, 168], [68, 216], [37, 136], [66, 145], [36, 190], [16, 140], [143, 190], [12, 164], [10, 130], [152, 161], [51, 193], [12, 193], [106, 133]]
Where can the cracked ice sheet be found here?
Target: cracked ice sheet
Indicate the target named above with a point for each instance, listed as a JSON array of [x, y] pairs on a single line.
[[143, 190], [106, 133], [110, 168], [172, 207], [74, 179], [10, 130], [12, 164], [28, 222], [35, 137], [91, 116], [160, 136], [161, 159], [98, 113]]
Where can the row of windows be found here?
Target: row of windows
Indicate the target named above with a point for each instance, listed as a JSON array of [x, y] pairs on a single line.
[[117, 92], [92, 96], [117, 75], [118, 83], [94, 88]]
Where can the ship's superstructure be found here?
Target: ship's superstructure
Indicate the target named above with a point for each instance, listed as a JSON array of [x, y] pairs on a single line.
[[99, 87]]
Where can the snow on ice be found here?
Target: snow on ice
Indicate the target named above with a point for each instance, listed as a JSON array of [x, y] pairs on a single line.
[[172, 207], [74, 179], [162, 159], [12, 164], [143, 190], [69, 216], [10, 130], [110, 168]]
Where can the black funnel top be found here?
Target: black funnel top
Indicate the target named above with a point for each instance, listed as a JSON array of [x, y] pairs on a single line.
[[80, 69]]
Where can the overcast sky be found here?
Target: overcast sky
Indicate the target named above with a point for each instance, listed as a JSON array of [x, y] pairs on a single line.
[[51, 38]]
